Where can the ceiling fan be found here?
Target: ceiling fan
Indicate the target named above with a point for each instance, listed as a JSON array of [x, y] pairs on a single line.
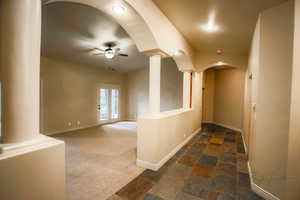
[[109, 52]]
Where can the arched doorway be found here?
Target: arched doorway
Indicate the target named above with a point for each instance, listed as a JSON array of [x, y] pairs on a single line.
[[74, 76]]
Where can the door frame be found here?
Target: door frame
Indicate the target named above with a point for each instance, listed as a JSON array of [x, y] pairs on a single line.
[[110, 87]]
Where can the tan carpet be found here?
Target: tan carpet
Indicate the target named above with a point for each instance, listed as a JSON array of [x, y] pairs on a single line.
[[100, 160]]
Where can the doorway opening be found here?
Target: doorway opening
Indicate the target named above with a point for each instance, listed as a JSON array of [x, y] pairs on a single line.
[[109, 104], [84, 92]]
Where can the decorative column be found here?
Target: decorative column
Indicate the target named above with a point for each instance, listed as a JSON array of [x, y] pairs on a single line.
[[20, 68], [186, 89], [154, 84]]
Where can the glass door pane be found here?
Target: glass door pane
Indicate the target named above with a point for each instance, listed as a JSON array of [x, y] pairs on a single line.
[[114, 103], [104, 104]]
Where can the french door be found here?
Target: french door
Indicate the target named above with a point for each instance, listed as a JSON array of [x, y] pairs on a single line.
[[109, 104]]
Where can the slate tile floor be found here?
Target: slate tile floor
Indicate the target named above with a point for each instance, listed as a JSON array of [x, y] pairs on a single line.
[[199, 171]]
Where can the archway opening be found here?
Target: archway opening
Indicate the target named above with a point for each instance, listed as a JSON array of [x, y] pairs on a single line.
[[223, 93], [85, 60]]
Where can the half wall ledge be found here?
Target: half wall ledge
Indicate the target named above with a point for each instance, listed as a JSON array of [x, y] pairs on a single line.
[[161, 135]]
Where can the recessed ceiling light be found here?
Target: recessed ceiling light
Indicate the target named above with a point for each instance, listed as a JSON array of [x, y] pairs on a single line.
[[210, 28], [211, 25], [178, 53], [219, 51], [220, 63], [118, 9]]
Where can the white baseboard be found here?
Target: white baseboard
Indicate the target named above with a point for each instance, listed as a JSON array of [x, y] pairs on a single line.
[[72, 129], [208, 122], [245, 146], [81, 127], [227, 126], [258, 190], [157, 166]]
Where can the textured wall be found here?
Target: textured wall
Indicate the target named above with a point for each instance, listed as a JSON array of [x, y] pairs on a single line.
[[223, 97], [69, 94], [228, 99], [208, 95], [138, 89], [273, 99]]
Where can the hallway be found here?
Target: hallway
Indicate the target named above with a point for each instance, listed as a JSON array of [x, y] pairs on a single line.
[[100, 160], [199, 171], [149, 99]]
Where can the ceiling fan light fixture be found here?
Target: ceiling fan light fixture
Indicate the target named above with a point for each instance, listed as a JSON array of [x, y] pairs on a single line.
[[109, 54]]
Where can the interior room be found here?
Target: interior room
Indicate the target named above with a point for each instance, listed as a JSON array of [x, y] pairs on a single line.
[[149, 100], [92, 102]]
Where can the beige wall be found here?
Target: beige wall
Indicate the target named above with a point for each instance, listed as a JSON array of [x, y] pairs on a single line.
[[208, 95], [228, 98], [69, 94], [293, 175], [223, 97], [35, 171], [161, 135], [250, 98], [272, 65], [137, 100], [138, 89]]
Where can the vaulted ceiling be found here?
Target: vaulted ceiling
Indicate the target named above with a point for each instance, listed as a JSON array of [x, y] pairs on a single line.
[[71, 31], [236, 20]]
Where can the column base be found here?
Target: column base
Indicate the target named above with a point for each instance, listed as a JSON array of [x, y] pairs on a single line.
[[33, 170]]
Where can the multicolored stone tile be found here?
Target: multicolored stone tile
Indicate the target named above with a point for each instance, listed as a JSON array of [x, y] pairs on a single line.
[[210, 161], [244, 180], [152, 197], [226, 170], [136, 189], [202, 170], [198, 186], [228, 157], [199, 171], [184, 196], [219, 196], [188, 160]]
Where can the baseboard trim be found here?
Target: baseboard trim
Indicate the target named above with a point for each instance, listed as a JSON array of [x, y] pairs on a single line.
[[245, 146], [69, 130], [258, 190], [227, 126], [157, 166], [80, 128], [207, 122]]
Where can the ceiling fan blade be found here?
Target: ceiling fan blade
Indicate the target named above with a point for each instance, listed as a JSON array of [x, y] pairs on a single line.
[[101, 50], [97, 54], [122, 54]]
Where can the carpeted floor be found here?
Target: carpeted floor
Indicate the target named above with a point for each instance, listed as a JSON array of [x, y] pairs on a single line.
[[100, 160]]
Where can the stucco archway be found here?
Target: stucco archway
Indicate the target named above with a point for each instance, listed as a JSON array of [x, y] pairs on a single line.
[[146, 34], [218, 64], [131, 21]]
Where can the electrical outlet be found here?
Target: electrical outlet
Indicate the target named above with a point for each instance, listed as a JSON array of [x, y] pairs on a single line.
[[70, 124], [184, 136]]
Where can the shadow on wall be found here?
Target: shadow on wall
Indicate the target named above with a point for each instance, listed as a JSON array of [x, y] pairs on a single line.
[[223, 94], [138, 89]]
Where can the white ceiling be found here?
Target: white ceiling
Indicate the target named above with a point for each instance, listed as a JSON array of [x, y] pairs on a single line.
[[236, 19], [70, 32]]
